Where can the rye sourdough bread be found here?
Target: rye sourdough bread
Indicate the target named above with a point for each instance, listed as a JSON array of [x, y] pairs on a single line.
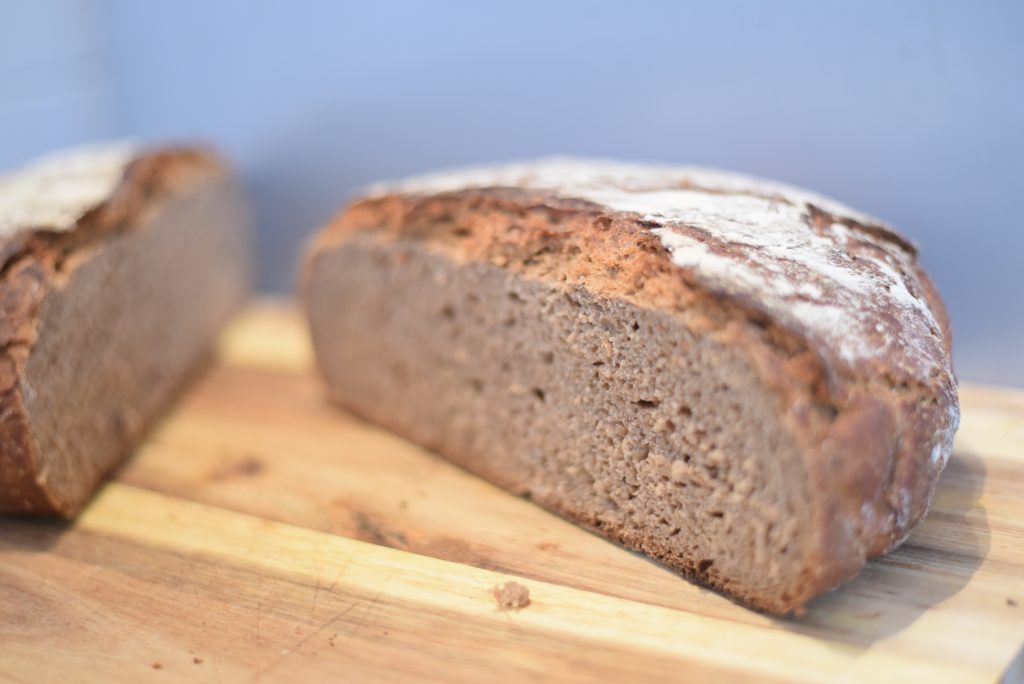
[[118, 266], [746, 381]]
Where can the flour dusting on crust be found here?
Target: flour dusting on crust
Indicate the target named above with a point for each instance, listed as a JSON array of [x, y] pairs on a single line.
[[54, 192], [842, 278]]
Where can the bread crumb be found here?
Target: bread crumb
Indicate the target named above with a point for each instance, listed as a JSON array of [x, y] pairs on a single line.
[[249, 465], [511, 595]]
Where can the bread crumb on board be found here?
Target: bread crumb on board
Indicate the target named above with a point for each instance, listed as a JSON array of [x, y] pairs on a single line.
[[511, 595]]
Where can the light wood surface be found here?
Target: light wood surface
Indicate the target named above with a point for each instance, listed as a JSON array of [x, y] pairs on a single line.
[[261, 534]]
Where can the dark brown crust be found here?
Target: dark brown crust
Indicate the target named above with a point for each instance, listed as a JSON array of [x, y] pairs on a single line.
[[32, 263], [866, 431]]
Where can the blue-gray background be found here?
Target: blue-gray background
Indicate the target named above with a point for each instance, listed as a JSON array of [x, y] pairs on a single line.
[[912, 111]]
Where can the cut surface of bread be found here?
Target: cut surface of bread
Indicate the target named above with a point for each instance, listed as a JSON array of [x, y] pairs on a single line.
[[121, 265], [642, 351]]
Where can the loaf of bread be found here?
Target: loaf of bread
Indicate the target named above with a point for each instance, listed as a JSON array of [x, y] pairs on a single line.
[[744, 380], [118, 266]]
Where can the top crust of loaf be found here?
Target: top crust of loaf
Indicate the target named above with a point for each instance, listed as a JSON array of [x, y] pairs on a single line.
[[832, 305], [53, 192], [71, 198], [841, 278], [49, 211]]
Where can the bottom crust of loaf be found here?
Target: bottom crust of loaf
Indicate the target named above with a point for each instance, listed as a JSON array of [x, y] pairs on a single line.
[[121, 326], [616, 417]]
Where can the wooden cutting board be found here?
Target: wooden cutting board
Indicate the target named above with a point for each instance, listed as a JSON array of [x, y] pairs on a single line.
[[260, 534]]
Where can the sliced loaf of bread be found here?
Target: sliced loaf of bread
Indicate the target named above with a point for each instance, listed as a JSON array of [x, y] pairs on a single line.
[[744, 380], [117, 266]]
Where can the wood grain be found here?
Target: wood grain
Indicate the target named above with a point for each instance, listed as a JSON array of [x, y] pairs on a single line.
[[260, 534]]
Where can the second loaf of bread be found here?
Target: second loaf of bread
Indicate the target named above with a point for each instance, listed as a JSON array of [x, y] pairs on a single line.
[[118, 265]]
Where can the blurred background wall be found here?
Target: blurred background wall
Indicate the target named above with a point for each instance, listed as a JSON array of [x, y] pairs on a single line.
[[912, 111]]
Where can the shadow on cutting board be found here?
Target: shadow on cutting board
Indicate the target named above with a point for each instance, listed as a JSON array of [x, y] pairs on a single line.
[[937, 561], [31, 535]]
